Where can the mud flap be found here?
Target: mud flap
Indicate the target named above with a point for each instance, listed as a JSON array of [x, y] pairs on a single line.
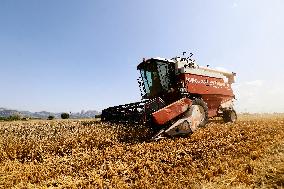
[[171, 111], [191, 121]]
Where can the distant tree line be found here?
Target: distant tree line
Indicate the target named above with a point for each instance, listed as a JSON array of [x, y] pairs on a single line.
[[51, 117], [65, 116], [15, 117]]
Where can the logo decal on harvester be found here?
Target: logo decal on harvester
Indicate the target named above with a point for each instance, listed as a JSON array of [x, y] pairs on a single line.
[[214, 84]]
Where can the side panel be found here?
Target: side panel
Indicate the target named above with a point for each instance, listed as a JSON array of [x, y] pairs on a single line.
[[171, 111], [213, 91]]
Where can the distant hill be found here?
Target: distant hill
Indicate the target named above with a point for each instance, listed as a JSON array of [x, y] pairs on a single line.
[[4, 112]]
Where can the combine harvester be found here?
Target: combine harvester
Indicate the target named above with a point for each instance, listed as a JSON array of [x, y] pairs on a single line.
[[178, 97]]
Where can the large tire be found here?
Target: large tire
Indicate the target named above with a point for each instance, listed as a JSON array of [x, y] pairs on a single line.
[[199, 102], [230, 116]]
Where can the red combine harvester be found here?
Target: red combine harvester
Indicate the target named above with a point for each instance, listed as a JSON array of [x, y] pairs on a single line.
[[178, 97]]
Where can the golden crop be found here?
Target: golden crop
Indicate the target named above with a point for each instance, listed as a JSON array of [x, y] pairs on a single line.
[[88, 154]]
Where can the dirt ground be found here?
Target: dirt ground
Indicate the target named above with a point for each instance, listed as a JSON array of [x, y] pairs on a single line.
[[90, 154]]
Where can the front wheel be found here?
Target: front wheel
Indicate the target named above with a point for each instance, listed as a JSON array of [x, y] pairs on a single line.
[[198, 114]]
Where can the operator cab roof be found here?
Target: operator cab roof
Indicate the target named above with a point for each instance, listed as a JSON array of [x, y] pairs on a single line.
[[145, 61]]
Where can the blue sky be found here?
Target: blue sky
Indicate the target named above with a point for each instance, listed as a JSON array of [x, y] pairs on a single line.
[[69, 55]]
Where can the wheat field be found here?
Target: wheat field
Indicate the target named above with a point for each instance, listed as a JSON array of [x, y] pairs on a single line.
[[90, 154]]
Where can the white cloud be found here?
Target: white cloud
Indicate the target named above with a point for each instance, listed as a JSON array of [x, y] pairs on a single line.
[[235, 3], [257, 83], [259, 96]]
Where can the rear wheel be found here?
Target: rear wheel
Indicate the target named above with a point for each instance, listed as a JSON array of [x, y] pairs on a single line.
[[230, 116]]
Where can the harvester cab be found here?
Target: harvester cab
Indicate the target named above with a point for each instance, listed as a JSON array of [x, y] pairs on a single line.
[[178, 97], [157, 78]]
